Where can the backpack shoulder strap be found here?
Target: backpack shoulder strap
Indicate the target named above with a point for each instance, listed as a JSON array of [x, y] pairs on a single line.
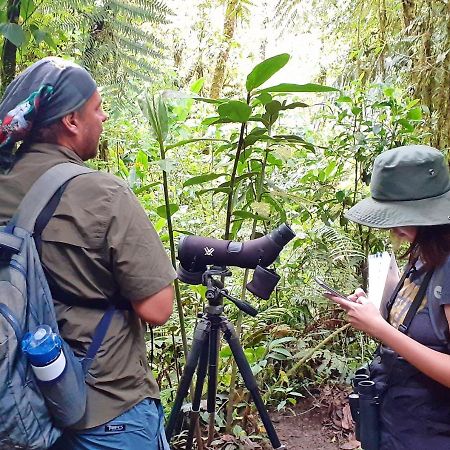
[[42, 191]]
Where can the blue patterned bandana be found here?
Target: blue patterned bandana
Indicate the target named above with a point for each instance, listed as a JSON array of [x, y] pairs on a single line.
[[45, 92]]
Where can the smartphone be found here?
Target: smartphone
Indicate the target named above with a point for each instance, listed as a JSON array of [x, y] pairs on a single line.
[[329, 289]]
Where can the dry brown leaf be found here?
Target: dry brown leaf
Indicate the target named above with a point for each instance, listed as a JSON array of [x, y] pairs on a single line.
[[347, 421], [350, 445]]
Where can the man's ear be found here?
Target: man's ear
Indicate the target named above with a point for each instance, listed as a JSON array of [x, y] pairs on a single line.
[[70, 123]]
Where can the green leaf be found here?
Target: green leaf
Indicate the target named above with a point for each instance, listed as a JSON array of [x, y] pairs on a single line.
[[282, 340], [145, 188], [406, 125], [196, 86], [166, 164], [295, 105], [277, 356], [38, 35], [340, 195], [214, 120], [162, 212], [190, 141], [282, 351], [344, 99], [202, 178], [415, 114], [273, 107], [141, 164], [290, 87], [27, 7], [237, 180], [265, 70], [264, 98], [49, 41], [247, 215], [13, 32], [235, 110], [277, 205], [162, 117], [224, 190]]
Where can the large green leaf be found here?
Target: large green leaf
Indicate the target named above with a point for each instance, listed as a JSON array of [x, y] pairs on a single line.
[[214, 120], [291, 87], [265, 70], [38, 34], [190, 141], [224, 190], [27, 7], [166, 164], [162, 117], [235, 110], [196, 86], [247, 215], [145, 188], [202, 178], [13, 33], [162, 211], [154, 108]]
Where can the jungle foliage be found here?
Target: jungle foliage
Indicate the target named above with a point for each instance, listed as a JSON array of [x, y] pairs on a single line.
[[215, 150]]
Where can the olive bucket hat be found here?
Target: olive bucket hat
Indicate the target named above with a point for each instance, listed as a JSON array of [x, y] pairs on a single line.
[[410, 185]]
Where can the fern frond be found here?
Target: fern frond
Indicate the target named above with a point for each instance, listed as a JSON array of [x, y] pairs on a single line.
[[148, 14], [135, 33], [137, 48]]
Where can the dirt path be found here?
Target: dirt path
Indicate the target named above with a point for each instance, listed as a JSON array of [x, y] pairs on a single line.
[[305, 430], [318, 423]]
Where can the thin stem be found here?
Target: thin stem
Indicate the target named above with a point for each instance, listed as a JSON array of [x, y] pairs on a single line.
[[172, 248], [233, 176]]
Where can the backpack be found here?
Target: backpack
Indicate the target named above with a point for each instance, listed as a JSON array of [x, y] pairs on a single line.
[[33, 412]]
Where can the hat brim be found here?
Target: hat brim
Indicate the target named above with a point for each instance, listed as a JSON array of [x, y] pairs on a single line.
[[424, 212]]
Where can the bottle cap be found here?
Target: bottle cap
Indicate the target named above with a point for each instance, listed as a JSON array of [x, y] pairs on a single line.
[[41, 347]]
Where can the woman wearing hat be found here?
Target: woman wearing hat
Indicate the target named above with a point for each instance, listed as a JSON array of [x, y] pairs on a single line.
[[410, 195]]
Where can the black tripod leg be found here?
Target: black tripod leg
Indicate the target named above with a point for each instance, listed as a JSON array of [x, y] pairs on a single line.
[[199, 341], [250, 381], [212, 374], [201, 375]]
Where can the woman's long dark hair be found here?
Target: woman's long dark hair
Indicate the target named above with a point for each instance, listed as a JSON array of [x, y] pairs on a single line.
[[431, 245]]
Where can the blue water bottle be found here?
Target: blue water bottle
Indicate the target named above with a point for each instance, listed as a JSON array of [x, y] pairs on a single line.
[[43, 349]]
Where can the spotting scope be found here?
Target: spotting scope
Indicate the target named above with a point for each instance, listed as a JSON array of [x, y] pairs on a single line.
[[195, 253]]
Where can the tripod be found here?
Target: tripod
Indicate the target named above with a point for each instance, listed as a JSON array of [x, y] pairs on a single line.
[[204, 356]]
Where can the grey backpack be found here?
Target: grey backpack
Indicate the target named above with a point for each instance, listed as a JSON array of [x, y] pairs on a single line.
[[30, 417]]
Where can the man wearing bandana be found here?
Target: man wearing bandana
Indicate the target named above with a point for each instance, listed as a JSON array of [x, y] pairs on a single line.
[[98, 247]]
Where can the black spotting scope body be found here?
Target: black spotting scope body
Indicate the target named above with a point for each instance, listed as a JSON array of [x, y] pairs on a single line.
[[196, 252]]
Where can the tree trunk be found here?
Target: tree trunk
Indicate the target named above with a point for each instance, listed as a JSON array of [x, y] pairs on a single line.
[[408, 12], [229, 28], [443, 125], [383, 20], [9, 51]]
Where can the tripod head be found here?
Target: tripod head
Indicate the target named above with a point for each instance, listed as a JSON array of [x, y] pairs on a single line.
[[215, 291]]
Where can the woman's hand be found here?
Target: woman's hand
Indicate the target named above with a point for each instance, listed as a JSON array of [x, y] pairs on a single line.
[[362, 313]]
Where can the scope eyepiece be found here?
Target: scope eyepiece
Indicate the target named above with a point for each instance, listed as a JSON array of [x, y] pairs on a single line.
[[282, 235]]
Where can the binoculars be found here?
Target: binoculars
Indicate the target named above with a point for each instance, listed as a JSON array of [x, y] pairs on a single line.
[[364, 407]]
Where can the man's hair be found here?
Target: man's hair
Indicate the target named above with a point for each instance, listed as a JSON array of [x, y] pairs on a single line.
[[431, 245], [47, 134]]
